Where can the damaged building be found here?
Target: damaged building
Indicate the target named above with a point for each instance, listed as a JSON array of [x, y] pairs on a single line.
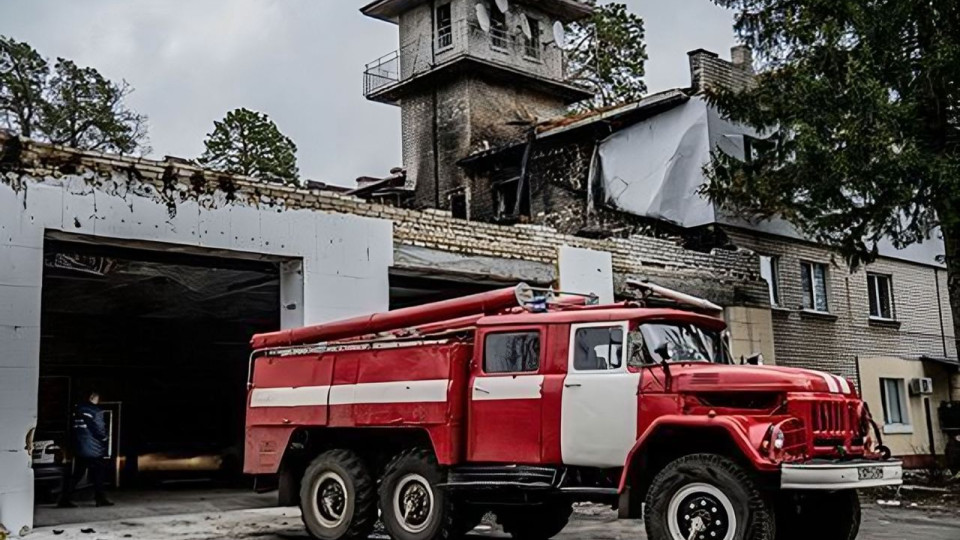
[[487, 136], [145, 279]]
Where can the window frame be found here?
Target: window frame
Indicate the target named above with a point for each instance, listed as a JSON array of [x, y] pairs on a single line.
[[624, 353], [773, 284], [812, 265], [876, 277], [906, 424], [535, 42], [444, 34], [522, 330], [499, 30]]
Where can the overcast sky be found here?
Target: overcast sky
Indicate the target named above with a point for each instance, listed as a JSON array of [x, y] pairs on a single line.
[[300, 61]]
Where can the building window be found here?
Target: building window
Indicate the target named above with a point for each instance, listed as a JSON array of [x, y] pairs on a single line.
[[813, 276], [444, 27], [770, 272], [893, 394], [458, 205], [532, 44], [505, 198], [514, 352], [498, 28], [880, 290]]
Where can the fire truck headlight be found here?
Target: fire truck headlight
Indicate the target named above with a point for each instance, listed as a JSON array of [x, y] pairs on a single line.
[[778, 439]]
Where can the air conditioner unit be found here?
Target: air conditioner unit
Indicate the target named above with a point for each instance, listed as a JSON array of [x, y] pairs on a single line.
[[921, 385]]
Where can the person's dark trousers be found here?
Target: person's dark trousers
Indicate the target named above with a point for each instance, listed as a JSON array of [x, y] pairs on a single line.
[[80, 465]]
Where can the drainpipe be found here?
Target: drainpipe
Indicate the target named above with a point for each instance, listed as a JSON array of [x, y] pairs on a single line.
[[953, 378]]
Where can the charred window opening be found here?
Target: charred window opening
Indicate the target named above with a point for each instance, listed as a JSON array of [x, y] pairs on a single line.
[[458, 204], [505, 199]]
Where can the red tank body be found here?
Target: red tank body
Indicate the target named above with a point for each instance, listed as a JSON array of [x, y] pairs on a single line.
[[572, 403]]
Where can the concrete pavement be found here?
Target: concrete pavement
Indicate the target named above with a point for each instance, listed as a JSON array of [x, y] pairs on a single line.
[[879, 523]]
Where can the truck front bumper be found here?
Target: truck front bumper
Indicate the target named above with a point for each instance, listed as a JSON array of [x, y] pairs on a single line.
[[836, 475]]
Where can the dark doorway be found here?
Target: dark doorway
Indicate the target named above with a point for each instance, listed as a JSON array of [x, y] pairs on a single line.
[[163, 336]]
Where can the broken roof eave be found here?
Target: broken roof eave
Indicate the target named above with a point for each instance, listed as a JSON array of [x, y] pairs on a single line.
[[564, 10], [667, 98]]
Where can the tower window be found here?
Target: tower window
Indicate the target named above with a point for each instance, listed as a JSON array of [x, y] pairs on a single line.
[[532, 44], [444, 27], [498, 28]]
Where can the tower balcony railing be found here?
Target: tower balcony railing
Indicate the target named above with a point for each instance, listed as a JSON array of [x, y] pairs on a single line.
[[464, 38]]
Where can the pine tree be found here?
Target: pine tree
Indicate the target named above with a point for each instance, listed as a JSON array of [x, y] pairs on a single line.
[[861, 104], [607, 53], [70, 105], [249, 143]]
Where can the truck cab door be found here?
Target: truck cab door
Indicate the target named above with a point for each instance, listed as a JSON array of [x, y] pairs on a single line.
[[598, 425], [506, 383]]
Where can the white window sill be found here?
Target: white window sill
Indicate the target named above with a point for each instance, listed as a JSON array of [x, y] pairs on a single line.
[[895, 429]]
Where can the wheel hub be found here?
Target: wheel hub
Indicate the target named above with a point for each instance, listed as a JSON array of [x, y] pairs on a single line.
[[413, 500], [331, 499], [701, 512]]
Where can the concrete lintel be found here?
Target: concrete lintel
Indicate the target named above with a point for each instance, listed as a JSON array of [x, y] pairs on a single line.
[[428, 260]]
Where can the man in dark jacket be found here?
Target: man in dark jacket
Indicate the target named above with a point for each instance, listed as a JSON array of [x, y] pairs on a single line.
[[88, 433]]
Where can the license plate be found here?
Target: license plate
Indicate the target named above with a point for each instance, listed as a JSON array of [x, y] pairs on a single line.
[[870, 473]]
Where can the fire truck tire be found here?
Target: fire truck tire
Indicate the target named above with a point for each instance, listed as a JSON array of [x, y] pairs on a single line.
[[823, 516], [412, 504], [535, 522], [710, 493], [338, 497]]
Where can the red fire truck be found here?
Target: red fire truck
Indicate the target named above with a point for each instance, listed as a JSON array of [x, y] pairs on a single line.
[[520, 403]]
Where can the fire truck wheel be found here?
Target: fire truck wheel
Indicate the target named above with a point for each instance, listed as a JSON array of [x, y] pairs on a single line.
[[710, 494], [412, 506], [535, 522], [338, 497], [824, 516]]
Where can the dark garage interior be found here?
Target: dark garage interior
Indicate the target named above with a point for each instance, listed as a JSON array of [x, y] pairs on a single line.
[[163, 337]]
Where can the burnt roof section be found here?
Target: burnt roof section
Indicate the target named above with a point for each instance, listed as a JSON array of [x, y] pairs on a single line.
[[606, 120], [564, 10]]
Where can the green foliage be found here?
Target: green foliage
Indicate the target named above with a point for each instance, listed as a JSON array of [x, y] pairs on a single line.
[[72, 105], [85, 110], [607, 53], [249, 143], [23, 76], [863, 102]]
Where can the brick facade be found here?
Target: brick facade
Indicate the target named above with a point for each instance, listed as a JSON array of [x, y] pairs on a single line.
[[835, 342]]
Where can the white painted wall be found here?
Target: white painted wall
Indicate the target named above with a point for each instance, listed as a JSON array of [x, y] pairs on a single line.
[[338, 269], [586, 271]]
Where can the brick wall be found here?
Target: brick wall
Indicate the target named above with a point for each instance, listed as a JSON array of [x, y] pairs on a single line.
[[708, 69], [834, 343], [727, 277]]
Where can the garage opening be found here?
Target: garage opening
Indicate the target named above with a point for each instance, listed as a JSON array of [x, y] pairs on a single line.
[[163, 337]]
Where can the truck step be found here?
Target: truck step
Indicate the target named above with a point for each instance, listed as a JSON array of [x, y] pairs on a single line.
[[495, 476]]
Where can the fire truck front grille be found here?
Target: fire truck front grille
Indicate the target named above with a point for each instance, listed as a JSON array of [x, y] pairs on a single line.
[[832, 425], [832, 420]]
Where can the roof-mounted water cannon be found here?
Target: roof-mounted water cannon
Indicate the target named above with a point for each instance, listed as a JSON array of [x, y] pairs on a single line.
[[648, 289]]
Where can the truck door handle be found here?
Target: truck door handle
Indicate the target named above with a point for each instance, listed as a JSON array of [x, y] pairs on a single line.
[[572, 385], [478, 389]]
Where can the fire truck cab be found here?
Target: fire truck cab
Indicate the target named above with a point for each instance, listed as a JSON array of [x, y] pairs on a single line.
[[514, 403]]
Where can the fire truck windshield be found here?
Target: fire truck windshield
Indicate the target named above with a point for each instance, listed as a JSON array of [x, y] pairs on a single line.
[[680, 342]]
